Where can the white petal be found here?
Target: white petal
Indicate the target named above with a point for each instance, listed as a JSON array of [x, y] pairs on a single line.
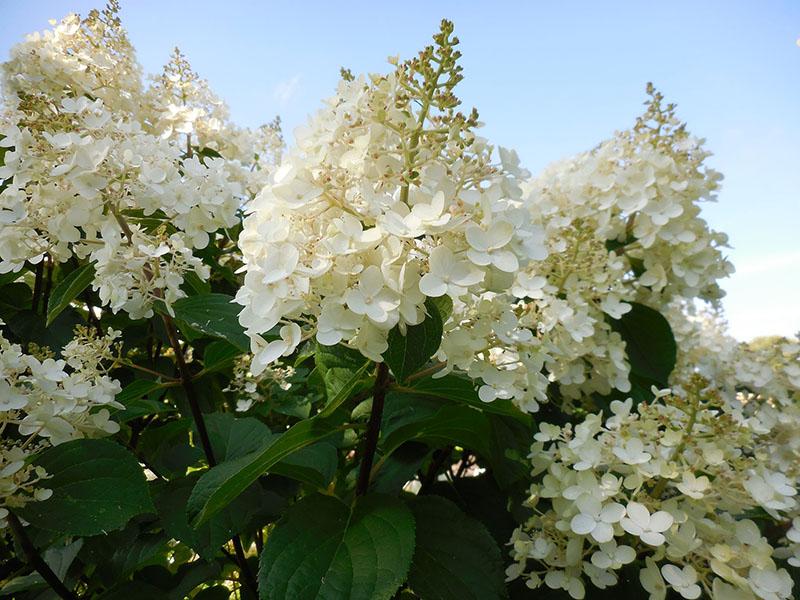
[[661, 521], [582, 524], [432, 286]]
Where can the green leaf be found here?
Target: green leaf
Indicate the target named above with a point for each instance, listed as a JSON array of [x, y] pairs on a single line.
[[649, 343], [259, 504], [407, 353], [460, 425], [232, 438], [214, 315], [97, 487], [455, 557], [461, 390], [68, 289], [218, 355], [136, 389], [341, 369], [323, 548], [137, 403], [221, 484], [443, 304]]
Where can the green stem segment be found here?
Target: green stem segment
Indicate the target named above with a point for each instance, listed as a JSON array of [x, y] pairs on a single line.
[[36, 561], [662, 484], [373, 429]]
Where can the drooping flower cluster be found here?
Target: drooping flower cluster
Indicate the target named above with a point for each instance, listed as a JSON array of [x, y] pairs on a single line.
[[47, 401], [672, 483], [87, 151]]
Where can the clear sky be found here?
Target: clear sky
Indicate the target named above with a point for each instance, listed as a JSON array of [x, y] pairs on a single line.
[[549, 78]]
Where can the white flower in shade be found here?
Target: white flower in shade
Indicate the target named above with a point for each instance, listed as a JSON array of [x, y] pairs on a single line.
[[486, 246], [725, 591], [600, 578], [264, 353], [611, 556], [683, 581], [649, 528], [651, 580], [595, 519], [448, 274], [631, 452], [694, 487], [621, 411], [547, 432], [373, 298], [562, 580], [770, 584], [771, 490]]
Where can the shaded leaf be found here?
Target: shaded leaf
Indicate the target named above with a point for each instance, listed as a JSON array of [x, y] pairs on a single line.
[[323, 548], [649, 342], [410, 351], [214, 315], [455, 557], [97, 486], [68, 289]]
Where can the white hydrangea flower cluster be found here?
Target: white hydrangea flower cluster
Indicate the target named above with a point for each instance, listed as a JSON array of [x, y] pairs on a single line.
[[133, 272], [389, 198], [46, 401], [84, 156], [674, 483], [622, 224], [182, 107]]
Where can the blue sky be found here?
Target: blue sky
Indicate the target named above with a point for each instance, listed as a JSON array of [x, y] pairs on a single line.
[[549, 79]]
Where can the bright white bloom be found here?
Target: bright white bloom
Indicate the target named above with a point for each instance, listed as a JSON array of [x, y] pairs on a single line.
[[649, 527], [595, 519]]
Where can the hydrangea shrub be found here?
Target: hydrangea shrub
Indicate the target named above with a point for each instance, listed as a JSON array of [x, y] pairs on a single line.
[[385, 362]]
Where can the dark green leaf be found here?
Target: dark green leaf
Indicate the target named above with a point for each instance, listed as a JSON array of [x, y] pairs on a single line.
[[136, 389], [410, 351], [323, 548], [68, 289], [460, 425], [218, 355], [455, 557], [341, 369], [649, 342], [232, 438], [220, 485], [256, 506], [214, 315], [461, 390], [97, 486]]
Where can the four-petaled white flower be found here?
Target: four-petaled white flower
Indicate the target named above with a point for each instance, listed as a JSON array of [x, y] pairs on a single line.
[[683, 581], [596, 519], [373, 298], [649, 528], [694, 487], [487, 246], [631, 452], [449, 274]]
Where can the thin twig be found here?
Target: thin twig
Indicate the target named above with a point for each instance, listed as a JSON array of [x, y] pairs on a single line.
[[35, 559], [205, 441]]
